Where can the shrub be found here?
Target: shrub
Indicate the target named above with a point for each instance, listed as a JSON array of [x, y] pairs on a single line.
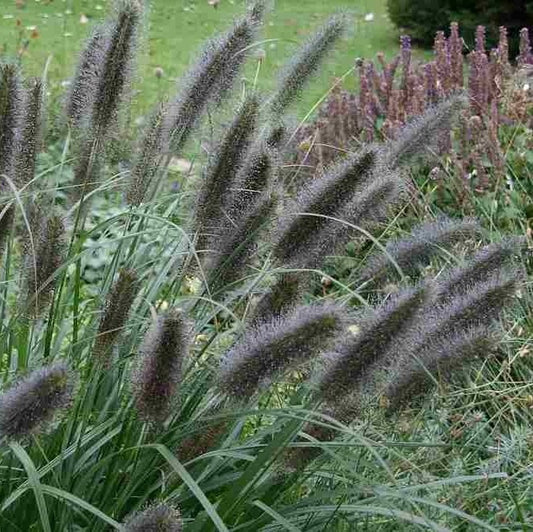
[[185, 424], [423, 18]]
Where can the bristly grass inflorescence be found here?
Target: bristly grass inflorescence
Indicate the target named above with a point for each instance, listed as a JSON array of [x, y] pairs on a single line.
[[28, 405], [160, 518], [164, 350]]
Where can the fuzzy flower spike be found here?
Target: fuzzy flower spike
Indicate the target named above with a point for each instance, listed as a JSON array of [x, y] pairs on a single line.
[[151, 149], [41, 268], [158, 518], [212, 76], [416, 249], [219, 183], [83, 87], [116, 68], [328, 197], [345, 367], [30, 136], [11, 99], [164, 351], [421, 133], [28, 405], [305, 63], [115, 312], [272, 347]]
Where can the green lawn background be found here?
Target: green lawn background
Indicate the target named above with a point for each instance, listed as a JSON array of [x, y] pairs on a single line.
[[176, 29]]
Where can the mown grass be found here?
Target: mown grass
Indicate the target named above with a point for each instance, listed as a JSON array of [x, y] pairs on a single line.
[[177, 28]]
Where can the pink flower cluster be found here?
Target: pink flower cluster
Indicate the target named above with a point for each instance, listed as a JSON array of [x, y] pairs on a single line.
[[390, 94]]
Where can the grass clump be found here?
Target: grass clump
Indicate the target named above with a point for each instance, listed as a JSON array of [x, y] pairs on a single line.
[[237, 407]]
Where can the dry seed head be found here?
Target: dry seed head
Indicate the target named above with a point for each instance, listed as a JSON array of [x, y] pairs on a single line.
[[41, 268], [33, 401], [87, 169], [368, 209], [82, 94], [235, 247], [115, 312], [30, 135], [478, 307], [7, 215], [116, 68], [485, 264], [276, 135], [218, 186], [412, 375], [158, 518], [327, 197], [211, 77], [305, 63], [152, 147], [257, 175], [11, 100], [479, 304], [272, 347], [377, 332], [164, 351], [424, 132], [280, 298], [416, 249]]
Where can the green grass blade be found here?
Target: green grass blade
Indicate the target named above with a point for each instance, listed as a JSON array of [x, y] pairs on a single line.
[[276, 516], [65, 495], [35, 484], [193, 486]]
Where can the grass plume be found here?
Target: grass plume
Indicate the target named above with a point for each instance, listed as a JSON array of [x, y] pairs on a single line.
[[116, 68], [424, 131], [151, 149], [31, 133], [82, 93], [115, 312], [376, 332], [11, 102], [328, 197], [164, 351], [416, 373], [157, 518], [305, 63], [34, 401], [212, 76], [417, 249], [235, 248], [41, 267], [218, 186], [487, 263], [269, 349]]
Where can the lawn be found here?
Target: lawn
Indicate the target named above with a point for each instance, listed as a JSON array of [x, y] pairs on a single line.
[[55, 30]]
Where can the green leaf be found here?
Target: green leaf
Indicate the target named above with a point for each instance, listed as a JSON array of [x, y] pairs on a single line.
[[193, 486], [33, 478], [65, 495]]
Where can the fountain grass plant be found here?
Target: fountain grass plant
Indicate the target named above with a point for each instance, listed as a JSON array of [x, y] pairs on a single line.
[[197, 387]]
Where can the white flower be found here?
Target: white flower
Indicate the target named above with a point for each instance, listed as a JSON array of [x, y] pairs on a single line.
[[369, 17]]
